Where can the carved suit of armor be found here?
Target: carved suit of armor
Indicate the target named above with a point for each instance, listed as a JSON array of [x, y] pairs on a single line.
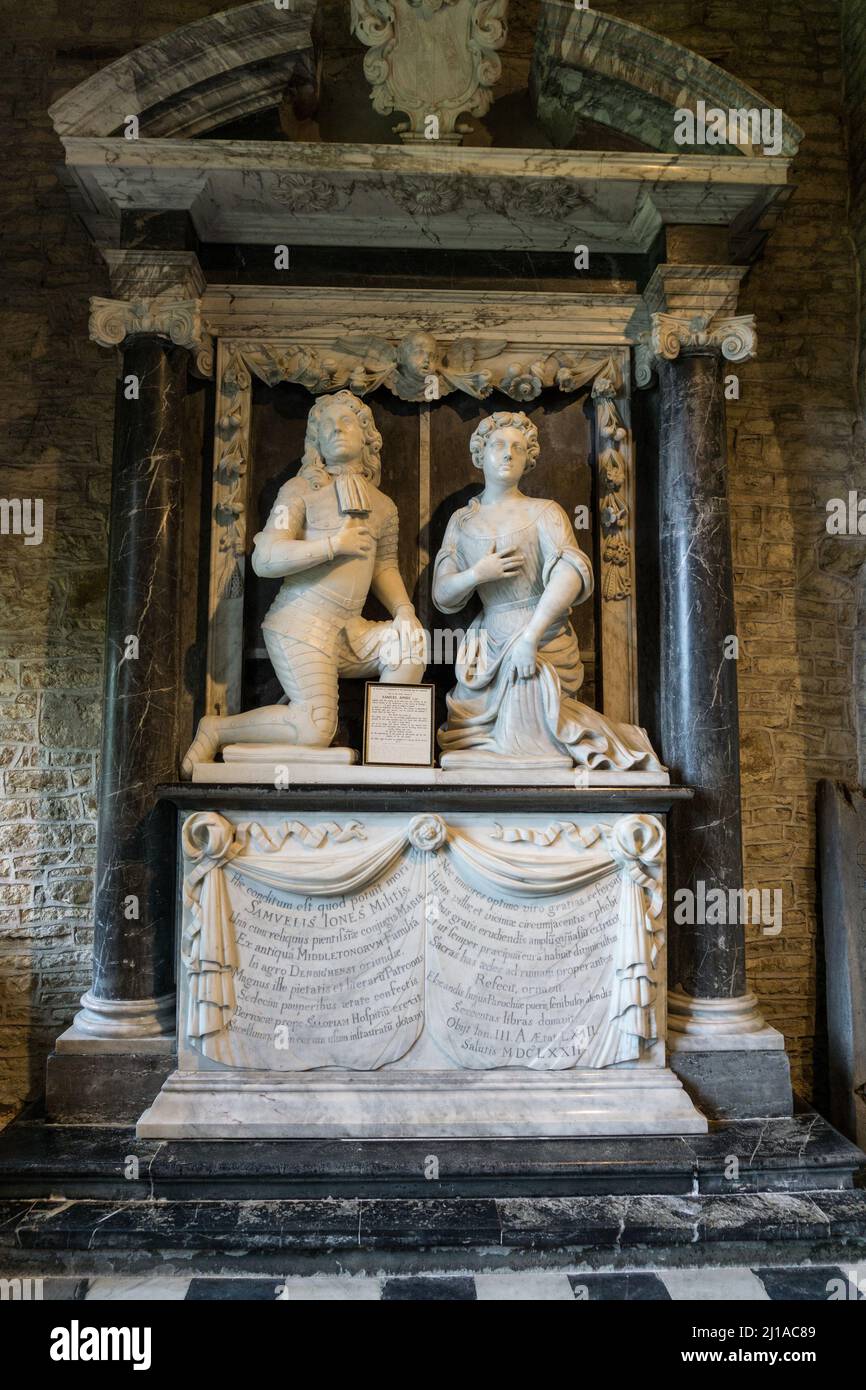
[[331, 537], [313, 630], [317, 605]]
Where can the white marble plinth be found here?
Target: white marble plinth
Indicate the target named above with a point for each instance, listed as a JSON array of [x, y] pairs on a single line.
[[282, 753], [349, 1105], [406, 975], [477, 759], [282, 772]]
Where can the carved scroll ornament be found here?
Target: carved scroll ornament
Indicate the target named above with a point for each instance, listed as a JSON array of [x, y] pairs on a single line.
[[734, 336], [112, 321], [431, 58]]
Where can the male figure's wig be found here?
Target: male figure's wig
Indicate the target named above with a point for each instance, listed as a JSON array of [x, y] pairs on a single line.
[[313, 467]]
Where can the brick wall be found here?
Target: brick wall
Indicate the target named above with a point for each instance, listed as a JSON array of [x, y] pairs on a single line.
[[854, 55], [795, 442]]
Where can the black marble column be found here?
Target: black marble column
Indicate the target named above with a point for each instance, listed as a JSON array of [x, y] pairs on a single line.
[[699, 713], [132, 992]]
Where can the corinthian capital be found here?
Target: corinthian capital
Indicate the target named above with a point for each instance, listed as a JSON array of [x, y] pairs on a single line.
[[159, 293]]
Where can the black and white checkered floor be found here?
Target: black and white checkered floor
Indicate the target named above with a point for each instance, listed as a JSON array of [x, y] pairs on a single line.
[[807, 1283]]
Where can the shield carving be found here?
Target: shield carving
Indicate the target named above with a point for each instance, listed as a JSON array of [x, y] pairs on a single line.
[[431, 58]]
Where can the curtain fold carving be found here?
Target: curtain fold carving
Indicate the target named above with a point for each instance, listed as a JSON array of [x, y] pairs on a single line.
[[329, 860]]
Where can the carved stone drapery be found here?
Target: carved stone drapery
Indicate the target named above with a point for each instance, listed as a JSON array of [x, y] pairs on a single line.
[[159, 294], [511, 863], [431, 58], [417, 367]]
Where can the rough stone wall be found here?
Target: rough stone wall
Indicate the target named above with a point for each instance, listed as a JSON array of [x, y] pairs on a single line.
[[56, 407], [854, 62], [794, 443]]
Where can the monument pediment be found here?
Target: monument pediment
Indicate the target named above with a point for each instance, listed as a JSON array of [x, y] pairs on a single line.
[[589, 65], [588, 69], [197, 77]]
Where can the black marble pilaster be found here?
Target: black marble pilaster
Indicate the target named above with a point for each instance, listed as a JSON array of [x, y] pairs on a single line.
[[698, 706], [132, 958]]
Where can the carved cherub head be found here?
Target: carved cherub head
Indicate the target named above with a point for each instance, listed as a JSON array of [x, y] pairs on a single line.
[[418, 355], [495, 430], [341, 436]]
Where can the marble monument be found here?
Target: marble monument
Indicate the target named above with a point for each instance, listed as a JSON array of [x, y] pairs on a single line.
[[281, 891]]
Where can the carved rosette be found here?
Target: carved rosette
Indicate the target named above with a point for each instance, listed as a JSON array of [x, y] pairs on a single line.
[[539, 199], [616, 577], [428, 197], [403, 34], [308, 193], [427, 833]]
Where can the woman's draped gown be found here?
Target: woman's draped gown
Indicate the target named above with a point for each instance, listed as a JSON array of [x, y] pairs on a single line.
[[491, 710]]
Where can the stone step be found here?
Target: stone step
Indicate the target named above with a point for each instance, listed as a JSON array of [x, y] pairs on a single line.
[[359, 1234], [802, 1153]]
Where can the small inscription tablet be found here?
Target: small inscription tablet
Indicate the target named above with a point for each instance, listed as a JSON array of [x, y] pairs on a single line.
[[399, 725]]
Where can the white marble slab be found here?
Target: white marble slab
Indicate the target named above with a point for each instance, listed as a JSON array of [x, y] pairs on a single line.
[[284, 774], [295, 193], [524, 1286], [148, 1289], [460, 1105], [707, 1285]]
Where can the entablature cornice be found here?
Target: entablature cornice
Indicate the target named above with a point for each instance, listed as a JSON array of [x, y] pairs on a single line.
[[272, 192], [423, 344], [530, 319]]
